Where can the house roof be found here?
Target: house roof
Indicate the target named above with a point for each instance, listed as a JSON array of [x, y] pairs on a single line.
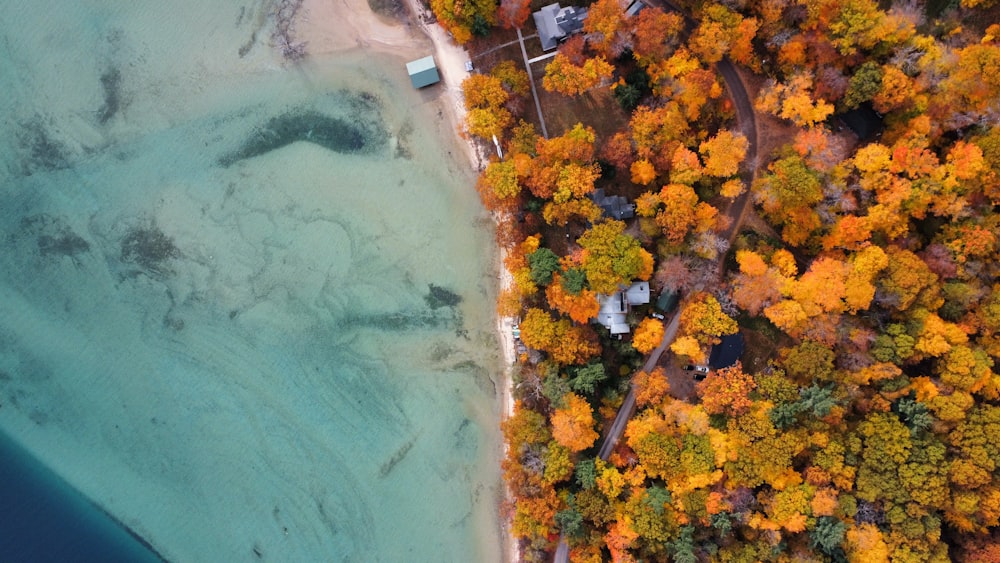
[[423, 72], [555, 23], [548, 31], [613, 206], [570, 19], [638, 293], [634, 8], [614, 322], [614, 304], [619, 328], [614, 307], [727, 352]]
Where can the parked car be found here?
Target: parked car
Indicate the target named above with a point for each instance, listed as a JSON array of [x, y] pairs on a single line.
[[700, 371], [656, 315]]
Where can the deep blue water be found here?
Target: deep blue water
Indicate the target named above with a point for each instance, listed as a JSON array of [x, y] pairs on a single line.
[[43, 519]]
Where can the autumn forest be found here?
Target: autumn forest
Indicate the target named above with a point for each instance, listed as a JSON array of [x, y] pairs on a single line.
[[845, 222]]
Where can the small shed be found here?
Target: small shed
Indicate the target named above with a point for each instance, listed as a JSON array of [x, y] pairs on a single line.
[[423, 72], [667, 301]]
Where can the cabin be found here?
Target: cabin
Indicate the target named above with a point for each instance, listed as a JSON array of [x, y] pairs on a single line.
[[555, 24], [423, 72], [615, 307], [614, 206]]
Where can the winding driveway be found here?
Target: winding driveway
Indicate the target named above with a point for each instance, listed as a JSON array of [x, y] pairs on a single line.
[[737, 212], [748, 126]]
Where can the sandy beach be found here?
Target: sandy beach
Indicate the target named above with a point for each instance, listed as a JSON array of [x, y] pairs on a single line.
[[331, 26]]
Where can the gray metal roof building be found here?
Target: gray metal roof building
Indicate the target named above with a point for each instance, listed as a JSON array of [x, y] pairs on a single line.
[[423, 72], [555, 24]]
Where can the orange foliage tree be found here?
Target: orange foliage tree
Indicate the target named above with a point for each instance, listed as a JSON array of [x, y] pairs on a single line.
[[573, 425], [726, 391], [564, 165], [513, 13], [651, 387], [581, 306], [758, 284], [643, 172], [677, 211], [654, 33]]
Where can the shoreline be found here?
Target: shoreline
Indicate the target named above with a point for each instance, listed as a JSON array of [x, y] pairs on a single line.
[[359, 27]]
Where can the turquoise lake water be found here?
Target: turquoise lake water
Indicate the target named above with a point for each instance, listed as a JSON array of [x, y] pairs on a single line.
[[245, 307]]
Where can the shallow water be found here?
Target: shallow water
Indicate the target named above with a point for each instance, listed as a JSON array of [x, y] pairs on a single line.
[[244, 307]]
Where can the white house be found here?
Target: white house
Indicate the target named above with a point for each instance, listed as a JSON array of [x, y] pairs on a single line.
[[615, 307]]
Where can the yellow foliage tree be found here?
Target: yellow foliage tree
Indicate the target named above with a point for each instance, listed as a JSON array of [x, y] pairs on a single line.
[[794, 101], [937, 336], [502, 178], [562, 76], [612, 258], [865, 544], [732, 188], [702, 318], [648, 335], [689, 347], [561, 213], [723, 153]]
